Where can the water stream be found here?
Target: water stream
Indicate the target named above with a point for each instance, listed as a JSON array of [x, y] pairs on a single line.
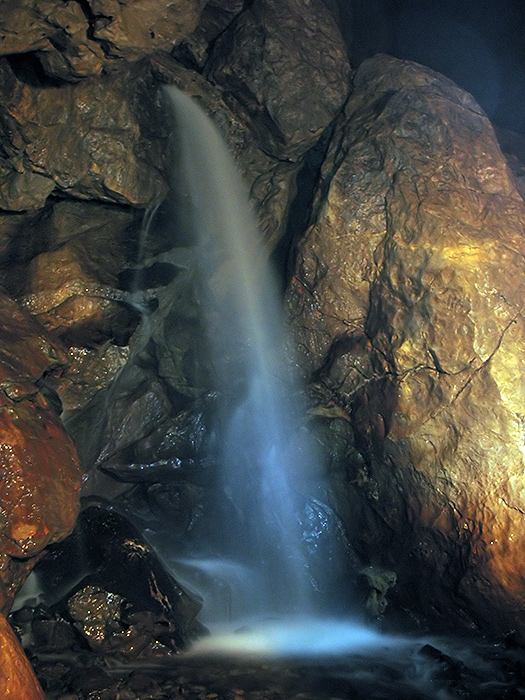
[[265, 562]]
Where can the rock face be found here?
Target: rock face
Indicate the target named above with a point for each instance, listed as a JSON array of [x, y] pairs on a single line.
[[405, 294], [40, 475], [72, 40], [407, 306], [267, 48], [85, 140], [16, 675]]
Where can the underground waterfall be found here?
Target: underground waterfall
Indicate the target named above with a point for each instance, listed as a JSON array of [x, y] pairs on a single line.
[[268, 565], [265, 555]]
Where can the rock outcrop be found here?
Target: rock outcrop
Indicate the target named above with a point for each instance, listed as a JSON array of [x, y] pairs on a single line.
[[16, 675], [267, 56], [40, 475], [405, 294], [85, 140], [72, 40], [406, 302]]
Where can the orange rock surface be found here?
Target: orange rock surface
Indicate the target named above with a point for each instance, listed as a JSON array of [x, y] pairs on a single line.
[[17, 680], [39, 471]]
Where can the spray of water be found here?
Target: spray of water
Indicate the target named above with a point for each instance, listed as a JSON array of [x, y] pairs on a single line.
[[263, 562], [256, 446]]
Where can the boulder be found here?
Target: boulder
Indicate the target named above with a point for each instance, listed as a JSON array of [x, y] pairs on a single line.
[[117, 595], [40, 475], [97, 139], [17, 679], [276, 56], [406, 303]]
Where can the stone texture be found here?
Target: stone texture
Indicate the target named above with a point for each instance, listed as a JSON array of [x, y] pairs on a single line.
[[64, 264], [74, 40], [57, 32], [40, 476], [72, 288], [133, 29], [17, 680], [276, 56], [92, 140], [406, 304], [118, 596]]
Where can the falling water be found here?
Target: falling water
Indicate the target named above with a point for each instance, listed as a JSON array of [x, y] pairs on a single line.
[[256, 445], [261, 569], [265, 561]]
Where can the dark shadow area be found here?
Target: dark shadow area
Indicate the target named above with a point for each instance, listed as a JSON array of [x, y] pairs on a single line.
[[478, 45]]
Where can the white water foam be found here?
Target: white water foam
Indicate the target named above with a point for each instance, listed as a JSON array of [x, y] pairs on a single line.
[[292, 638]]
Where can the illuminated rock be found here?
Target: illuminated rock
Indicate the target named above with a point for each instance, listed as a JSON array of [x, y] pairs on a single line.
[[39, 471], [86, 140], [17, 681], [266, 58], [73, 40], [407, 306], [133, 29]]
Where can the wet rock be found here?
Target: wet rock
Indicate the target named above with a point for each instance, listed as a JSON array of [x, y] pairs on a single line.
[[27, 351], [277, 56], [40, 476], [109, 583], [40, 479], [72, 288], [17, 679], [96, 613], [52, 635], [406, 304], [126, 424], [379, 582], [64, 264], [88, 140]]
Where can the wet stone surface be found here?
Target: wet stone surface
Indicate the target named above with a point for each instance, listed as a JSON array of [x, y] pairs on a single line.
[[421, 672]]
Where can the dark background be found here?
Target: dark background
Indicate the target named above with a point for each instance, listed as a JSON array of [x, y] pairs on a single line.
[[479, 44]]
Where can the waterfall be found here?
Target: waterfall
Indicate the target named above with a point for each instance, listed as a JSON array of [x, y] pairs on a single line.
[[257, 446], [264, 562]]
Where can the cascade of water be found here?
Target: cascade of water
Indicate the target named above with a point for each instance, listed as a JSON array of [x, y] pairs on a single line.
[[260, 554], [259, 446]]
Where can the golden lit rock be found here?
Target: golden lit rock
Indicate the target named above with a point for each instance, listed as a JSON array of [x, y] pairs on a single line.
[[419, 249], [17, 680], [39, 470], [139, 27]]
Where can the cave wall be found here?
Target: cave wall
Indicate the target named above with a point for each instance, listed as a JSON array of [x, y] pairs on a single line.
[[387, 193]]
